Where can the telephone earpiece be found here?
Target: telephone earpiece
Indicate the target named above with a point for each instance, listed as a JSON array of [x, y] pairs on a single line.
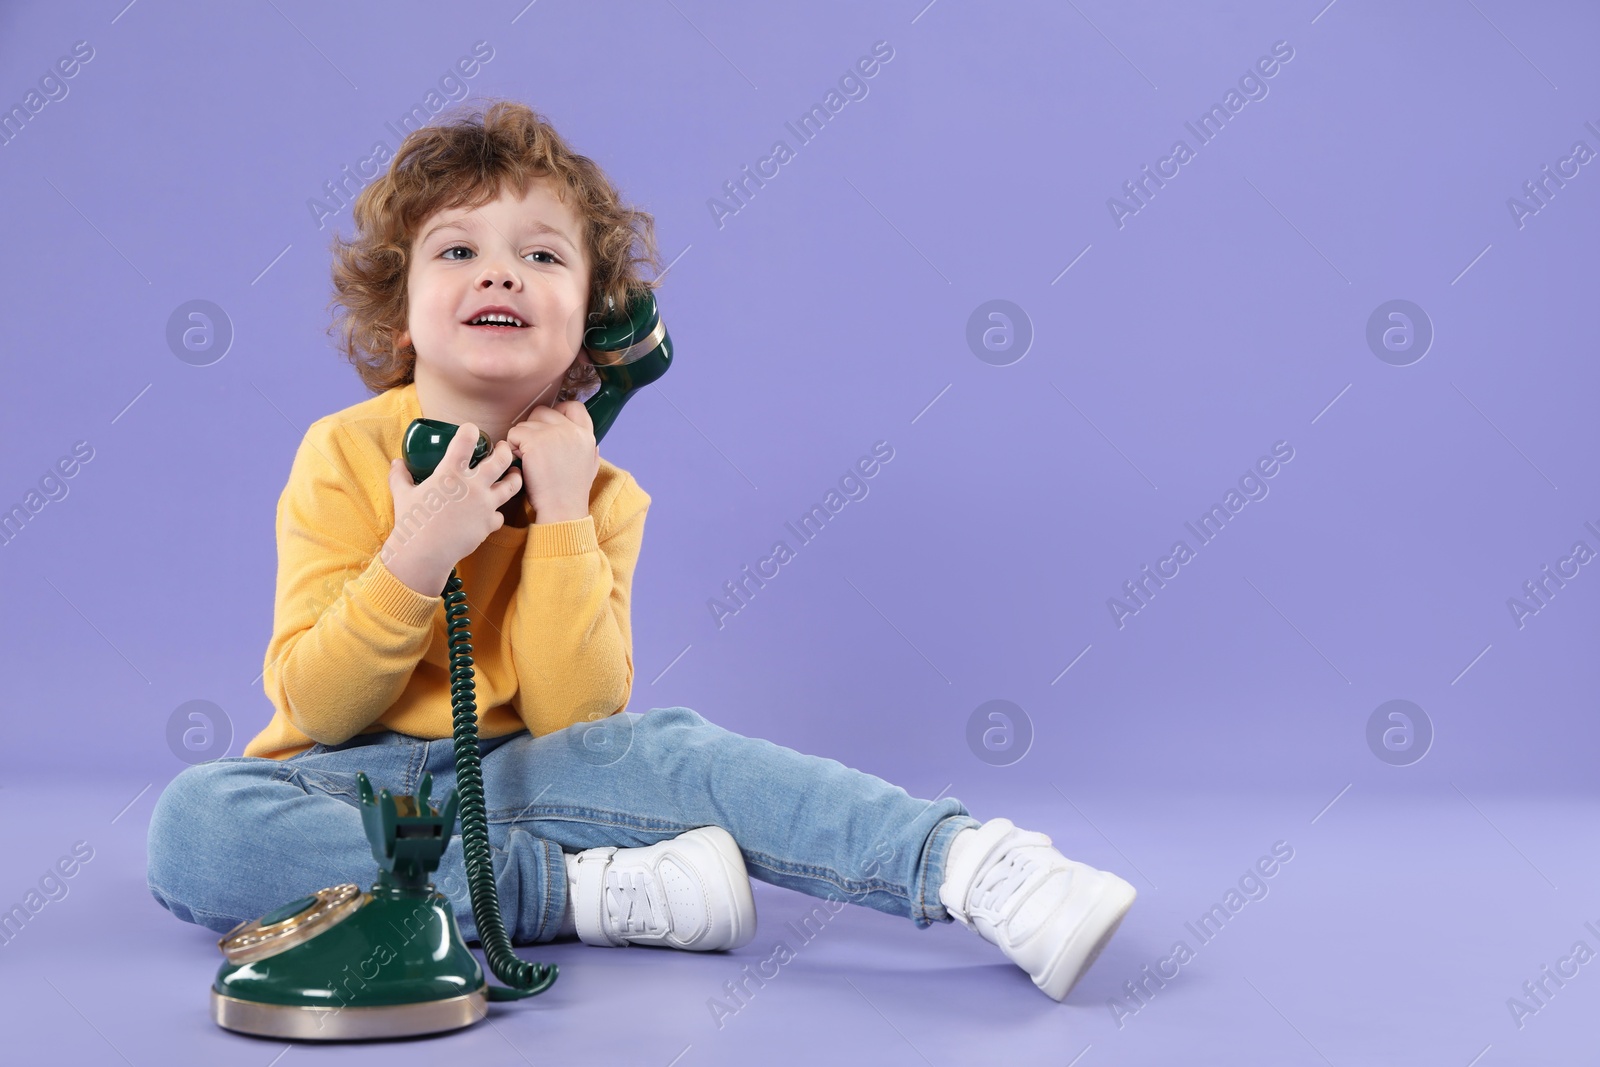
[[627, 351]]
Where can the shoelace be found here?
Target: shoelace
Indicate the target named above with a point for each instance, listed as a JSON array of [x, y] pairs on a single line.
[[1002, 879], [634, 904]]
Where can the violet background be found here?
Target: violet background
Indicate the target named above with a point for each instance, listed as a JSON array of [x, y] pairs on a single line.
[[832, 312]]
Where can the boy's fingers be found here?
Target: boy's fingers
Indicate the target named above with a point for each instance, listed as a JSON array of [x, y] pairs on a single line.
[[578, 412], [458, 453]]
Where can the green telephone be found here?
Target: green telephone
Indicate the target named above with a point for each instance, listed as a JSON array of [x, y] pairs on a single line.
[[343, 964]]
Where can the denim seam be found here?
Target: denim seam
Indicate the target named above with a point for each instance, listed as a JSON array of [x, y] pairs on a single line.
[[601, 816], [583, 814], [550, 922], [926, 861], [768, 862], [937, 846], [413, 779], [830, 876]]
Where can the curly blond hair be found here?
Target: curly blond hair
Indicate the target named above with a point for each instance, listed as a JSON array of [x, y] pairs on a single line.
[[466, 161]]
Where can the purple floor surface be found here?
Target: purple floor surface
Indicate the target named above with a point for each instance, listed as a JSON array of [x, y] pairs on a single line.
[[1401, 930]]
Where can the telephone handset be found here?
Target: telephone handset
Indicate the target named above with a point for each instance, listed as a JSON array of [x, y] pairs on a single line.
[[425, 981]]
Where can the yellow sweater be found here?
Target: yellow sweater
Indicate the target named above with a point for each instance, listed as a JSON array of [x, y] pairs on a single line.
[[354, 650]]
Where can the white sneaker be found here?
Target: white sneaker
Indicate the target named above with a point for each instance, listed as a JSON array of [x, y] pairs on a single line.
[[1050, 915], [691, 892]]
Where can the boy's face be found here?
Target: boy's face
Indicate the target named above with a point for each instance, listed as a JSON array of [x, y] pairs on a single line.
[[524, 253]]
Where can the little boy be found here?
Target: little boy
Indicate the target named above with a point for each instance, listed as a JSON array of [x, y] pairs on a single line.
[[467, 291]]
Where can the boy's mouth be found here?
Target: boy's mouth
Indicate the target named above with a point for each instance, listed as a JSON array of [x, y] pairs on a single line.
[[497, 322]]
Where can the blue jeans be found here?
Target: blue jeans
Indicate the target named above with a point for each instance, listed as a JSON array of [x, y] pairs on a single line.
[[234, 838]]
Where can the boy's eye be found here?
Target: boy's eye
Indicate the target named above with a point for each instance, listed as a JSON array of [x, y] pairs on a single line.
[[464, 248]]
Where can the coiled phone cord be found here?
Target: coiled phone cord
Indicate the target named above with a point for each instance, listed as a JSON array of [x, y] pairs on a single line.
[[524, 978]]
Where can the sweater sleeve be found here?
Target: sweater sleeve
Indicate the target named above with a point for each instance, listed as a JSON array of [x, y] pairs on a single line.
[[571, 641], [346, 633]]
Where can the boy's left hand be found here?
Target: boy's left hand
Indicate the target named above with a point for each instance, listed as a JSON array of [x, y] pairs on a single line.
[[560, 460]]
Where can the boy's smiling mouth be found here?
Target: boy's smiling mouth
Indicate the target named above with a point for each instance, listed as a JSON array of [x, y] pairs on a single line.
[[496, 317]]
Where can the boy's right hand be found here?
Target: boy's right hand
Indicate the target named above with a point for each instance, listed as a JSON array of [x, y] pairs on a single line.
[[442, 520]]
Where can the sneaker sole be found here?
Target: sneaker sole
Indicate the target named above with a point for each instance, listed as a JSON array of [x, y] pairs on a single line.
[[1083, 948]]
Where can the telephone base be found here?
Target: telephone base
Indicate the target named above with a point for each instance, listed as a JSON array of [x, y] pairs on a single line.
[[313, 1023], [335, 967]]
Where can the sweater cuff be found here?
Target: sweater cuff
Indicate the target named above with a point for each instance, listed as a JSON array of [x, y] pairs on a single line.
[[571, 538], [395, 598]]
